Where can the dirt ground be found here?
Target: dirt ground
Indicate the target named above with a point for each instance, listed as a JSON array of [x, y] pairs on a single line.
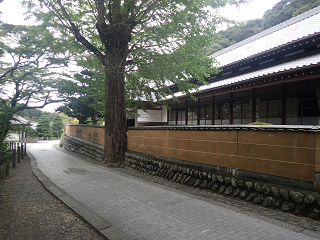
[[29, 211]]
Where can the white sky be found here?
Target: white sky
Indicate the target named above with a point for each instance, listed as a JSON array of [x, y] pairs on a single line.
[[12, 13]]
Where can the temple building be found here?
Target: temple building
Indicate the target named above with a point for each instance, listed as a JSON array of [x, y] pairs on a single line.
[[272, 77]]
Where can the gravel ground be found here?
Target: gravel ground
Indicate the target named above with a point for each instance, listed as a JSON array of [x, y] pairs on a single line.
[[29, 211]]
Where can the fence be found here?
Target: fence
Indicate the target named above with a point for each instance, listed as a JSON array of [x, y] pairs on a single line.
[[15, 152]]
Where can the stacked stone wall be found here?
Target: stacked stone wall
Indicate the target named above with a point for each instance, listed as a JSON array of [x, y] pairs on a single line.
[[300, 202], [88, 150]]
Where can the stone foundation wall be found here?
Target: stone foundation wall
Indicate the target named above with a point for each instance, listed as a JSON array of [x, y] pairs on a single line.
[[262, 193], [86, 149]]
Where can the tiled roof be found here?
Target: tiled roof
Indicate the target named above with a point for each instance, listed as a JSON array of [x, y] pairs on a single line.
[[283, 67], [296, 28], [299, 63]]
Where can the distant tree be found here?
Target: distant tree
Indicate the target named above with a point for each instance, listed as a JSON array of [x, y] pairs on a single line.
[[28, 76], [82, 108], [44, 128], [57, 126]]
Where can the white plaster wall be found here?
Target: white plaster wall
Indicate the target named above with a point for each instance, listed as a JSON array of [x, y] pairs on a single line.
[[153, 115]]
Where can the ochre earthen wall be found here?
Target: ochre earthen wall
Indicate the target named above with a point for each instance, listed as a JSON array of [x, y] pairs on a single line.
[[288, 154]]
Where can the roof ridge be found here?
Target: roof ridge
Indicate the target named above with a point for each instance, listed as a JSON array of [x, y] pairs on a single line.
[[273, 29]]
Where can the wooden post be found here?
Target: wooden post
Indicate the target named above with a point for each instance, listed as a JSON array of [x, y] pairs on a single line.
[[14, 155], [22, 151], [19, 153]]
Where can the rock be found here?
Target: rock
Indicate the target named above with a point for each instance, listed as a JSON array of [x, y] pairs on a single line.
[[243, 194], [165, 172], [269, 202], [192, 181], [197, 183], [168, 174], [297, 197], [179, 169], [314, 213], [214, 178], [175, 168], [257, 187], [284, 193], [275, 192], [266, 190], [200, 175], [161, 172], [184, 177], [171, 175], [204, 184], [205, 176], [228, 191], [278, 203], [300, 209], [258, 199], [183, 170], [210, 184], [309, 199], [227, 181], [249, 185], [192, 172], [160, 164], [196, 174], [188, 171], [318, 201], [222, 189], [236, 192], [178, 180], [287, 206], [251, 196], [220, 179], [241, 184], [187, 180], [234, 182], [175, 177], [209, 177], [215, 186]]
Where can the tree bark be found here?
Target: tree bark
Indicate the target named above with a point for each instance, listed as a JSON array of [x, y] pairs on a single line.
[[115, 114]]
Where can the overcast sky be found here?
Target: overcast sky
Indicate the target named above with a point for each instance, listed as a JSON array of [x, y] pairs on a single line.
[[12, 13]]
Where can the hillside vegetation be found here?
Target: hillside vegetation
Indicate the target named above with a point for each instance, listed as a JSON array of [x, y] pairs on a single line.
[[282, 11]]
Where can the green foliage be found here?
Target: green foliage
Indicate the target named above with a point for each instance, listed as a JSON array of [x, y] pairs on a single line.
[[286, 9], [57, 126], [259, 123], [44, 128], [282, 11], [28, 78]]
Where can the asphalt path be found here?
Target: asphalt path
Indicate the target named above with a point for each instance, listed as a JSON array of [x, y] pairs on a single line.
[[143, 210]]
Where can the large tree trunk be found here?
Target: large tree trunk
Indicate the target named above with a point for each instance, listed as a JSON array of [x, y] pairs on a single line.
[[115, 114]]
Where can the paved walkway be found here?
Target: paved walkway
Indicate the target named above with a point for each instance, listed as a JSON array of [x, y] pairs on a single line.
[[125, 207]]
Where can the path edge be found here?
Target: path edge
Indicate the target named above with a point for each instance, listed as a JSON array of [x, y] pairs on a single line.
[[103, 226]]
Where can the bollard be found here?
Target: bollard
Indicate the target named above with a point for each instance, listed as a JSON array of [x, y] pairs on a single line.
[[14, 156], [18, 153], [25, 149], [22, 151]]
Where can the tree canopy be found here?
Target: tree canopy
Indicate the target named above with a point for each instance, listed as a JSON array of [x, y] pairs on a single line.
[[143, 47], [28, 73]]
